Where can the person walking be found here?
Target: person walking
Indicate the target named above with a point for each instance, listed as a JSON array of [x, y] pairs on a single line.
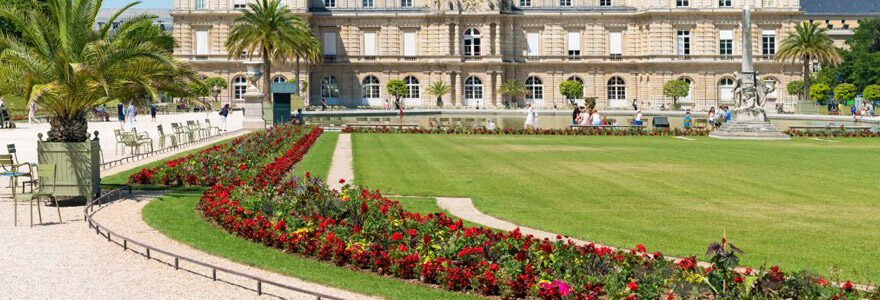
[[120, 114], [387, 105], [638, 119], [636, 104], [323, 104], [32, 108], [132, 112], [575, 114], [153, 112], [687, 120], [711, 118], [531, 117], [224, 113]]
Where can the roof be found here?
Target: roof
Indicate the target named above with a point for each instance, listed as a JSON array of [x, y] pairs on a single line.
[[841, 7]]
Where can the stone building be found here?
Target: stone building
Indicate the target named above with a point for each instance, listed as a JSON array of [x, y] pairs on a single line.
[[620, 49], [840, 18]]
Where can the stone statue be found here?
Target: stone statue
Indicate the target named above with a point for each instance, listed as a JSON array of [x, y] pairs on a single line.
[[737, 89], [763, 91], [437, 5]]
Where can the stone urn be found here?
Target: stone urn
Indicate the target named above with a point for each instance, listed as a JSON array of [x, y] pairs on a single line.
[[77, 165]]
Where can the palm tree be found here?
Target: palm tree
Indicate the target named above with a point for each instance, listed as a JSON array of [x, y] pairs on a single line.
[[276, 32], [513, 89], [439, 89], [808, 41], [65, 67]]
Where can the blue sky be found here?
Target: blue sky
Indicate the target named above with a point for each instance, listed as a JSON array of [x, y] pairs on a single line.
[[144, 3]]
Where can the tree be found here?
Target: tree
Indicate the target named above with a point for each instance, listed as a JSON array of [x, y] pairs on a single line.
[[6, 25], [806, 42], [66, 68], [272, 30], [872, 93], [513, 89], [676, 89], [796, 88], [819, 92], [571, 89], [439, 89], [845, 92], [215, 85], [396, 88], [860, 60]]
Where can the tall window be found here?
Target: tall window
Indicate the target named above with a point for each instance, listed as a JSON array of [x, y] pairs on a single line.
[[239, 86], [202, 42], [473, 88], [329, 3], [604, 2], [725, 42], [681, 3], [409, 43], [725, 3], [690, 88], [370, 87], [683, 38], [240, 4], [329, 44], [369, 43], [615, 43], [405, 3], [616, 88], [768, 42], [564, 2], [472, 42], [329, 87], [412, 87], [533, 43], [279, 79], [201, 4], [725, 90], [367, 3], [525, 3], [574, 43], [535, 88]]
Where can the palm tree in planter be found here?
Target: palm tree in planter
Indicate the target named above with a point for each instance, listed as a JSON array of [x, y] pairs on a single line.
[[397, 88], [66, 68], [274, 32], [439, 89], [513, 89], [808, 41]]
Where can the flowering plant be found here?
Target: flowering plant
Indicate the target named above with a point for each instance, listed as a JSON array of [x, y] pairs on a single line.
[[583, 131]]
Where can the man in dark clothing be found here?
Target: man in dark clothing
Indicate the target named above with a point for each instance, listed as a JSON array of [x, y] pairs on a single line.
[[574, 115], [120, 114], [323, 104], [299, 116]]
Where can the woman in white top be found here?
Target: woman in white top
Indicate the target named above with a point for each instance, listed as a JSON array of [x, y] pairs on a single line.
[[531, 117], [711, 119], [597, 118], [638, 118], [132, 112], [584, 117]]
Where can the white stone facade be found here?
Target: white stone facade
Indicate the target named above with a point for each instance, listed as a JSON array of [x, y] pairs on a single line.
[[641, 43]]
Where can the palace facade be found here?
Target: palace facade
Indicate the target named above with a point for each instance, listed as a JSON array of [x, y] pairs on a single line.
[[620, 49]]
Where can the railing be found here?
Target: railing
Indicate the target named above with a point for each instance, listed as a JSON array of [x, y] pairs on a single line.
[[126, 242], [139, 156]]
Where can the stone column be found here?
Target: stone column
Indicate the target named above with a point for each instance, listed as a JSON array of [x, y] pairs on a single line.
[[253, 109], [456, 88]]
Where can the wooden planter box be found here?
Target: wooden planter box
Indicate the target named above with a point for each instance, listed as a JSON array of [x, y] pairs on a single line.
[[78, 166]]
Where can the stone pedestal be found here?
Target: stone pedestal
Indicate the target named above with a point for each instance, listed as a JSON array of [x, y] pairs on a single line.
[[749, 124], [253, 110]]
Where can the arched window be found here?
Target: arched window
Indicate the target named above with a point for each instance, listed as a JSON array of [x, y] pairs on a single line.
[[329, 87], [279, 79], [725, 90], [579, 80], [616, 88], [472, 42], [370, 87], [412, 87], [690, 88], [239, 86], [473, 90], [535, 88]]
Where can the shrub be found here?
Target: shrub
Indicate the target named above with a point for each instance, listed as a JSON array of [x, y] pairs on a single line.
[[819, 92]]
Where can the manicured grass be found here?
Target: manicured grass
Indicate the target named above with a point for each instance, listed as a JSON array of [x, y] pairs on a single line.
[[317, 160], [801, 204], [175, 216]]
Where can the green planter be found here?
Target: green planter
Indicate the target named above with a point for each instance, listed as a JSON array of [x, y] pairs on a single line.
[[805, 107], [78, 166]]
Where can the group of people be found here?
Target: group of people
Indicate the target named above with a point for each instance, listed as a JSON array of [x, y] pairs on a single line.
[[715, 118], [866, 109], [130, 113], [586, 116]]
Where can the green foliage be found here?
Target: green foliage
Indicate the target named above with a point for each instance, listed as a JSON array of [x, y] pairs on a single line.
[[807, 42], [819, 92], [571, 89], [872, 93], [198, 89], [860, 62], [795, 88], [845, 92], [676, 89], [396, 88], [439, 88], [513, 89]]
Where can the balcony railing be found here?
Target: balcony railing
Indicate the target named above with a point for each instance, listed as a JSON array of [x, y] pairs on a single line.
[[505, 58]]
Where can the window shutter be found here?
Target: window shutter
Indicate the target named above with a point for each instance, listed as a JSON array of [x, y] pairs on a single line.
[[725, 35], [369, 43], [534, 43], [330, 43], [615, 46], [409, 43], [574, 41], [202, 42]]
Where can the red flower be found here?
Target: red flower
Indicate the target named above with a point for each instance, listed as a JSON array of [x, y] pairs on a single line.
[[396, 236], [412, 232], [341, 181], [641, 248], [632, 286], [848, 286]]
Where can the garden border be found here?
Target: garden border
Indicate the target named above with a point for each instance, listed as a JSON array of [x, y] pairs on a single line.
[[110, 164]]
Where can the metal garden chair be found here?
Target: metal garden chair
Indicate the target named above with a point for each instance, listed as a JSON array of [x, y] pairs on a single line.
[[45, 188], [214, 128], [11, 150], [163, 137], [8, 168]]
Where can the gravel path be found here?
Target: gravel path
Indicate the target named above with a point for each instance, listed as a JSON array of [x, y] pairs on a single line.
[[342, 165]]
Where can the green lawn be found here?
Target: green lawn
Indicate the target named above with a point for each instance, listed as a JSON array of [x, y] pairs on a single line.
[[799, 204], [317, 160]]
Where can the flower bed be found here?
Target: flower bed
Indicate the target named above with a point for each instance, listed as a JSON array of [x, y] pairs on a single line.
[[831, 132], [360, 229], [543, 131], [230, 162]]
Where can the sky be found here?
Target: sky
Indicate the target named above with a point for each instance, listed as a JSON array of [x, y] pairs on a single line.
[[144, 3]]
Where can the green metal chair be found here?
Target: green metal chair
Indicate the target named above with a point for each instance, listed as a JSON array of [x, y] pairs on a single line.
[[214, 128], [182, 131], [132, 142], [163, 137], [10, 148], [144, 138], [194, 128], [8, 168], [120, 145], [46, 188]]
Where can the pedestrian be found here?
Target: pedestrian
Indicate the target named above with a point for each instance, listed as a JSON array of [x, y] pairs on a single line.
[[120, 114], [870, 107], [726, 114], [531, 117], [399, 107], [596, 119], [2, 101], [636, 104], [299, 117], [687, 120], [224, 113], [711, 118], [396, 104], [132, 112], [387, 105], [638, 119], [32, 108], [575, 114], [323, 104], [153, 112]]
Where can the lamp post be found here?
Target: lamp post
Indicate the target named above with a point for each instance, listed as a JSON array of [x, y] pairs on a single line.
[[253, 99]]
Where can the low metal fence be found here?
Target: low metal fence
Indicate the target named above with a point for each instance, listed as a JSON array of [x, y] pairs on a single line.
[[139, 156]]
